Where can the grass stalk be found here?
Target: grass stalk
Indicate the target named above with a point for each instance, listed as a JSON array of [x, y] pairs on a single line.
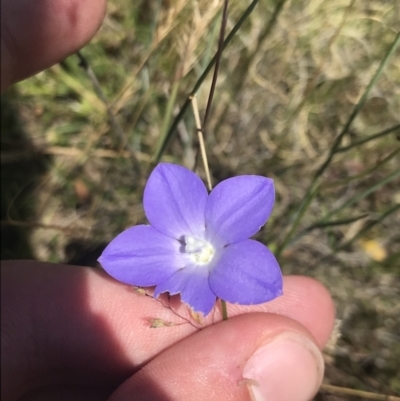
[[332, 223], [366, 395], [200, 130], [369, 225], [364, 194], [201, 142], [368, 171], [370, 138], [224, 308]]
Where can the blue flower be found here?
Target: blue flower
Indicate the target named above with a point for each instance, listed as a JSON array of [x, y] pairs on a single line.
[[197, 243]]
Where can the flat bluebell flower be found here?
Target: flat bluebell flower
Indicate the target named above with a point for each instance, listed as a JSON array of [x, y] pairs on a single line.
[[197, 243]]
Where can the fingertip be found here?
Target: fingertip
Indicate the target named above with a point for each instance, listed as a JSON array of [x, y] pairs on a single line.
[[304, 300], [290, 356], [36, 35], [315, 307]]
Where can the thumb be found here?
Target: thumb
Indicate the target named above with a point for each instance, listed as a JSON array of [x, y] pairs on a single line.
[[255, 356]]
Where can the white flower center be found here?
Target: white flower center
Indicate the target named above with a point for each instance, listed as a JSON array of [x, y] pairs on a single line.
[[201, 251]]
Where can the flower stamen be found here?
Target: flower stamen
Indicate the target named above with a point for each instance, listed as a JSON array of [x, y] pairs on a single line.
[[201, 251]]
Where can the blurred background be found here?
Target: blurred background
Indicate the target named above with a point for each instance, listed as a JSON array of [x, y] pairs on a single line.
[[79, 140]]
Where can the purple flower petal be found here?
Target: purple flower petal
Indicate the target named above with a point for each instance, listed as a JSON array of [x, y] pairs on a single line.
[[246, 273], [142, 256], [174, 201], [192, 283], [238, 207]]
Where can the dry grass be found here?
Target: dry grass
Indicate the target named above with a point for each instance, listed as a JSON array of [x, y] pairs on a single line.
[[285, 91]]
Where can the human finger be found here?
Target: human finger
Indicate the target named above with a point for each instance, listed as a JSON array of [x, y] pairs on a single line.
[[37, 34], [97, 329], [274, 359]]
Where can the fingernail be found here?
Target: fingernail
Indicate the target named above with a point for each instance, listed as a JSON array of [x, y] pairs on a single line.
[[290, 368]]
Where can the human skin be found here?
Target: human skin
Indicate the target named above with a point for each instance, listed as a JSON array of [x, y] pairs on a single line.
[[37, 34], [73, 333]]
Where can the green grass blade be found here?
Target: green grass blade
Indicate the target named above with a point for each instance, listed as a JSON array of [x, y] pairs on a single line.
[[371, 224], [323, 224], [370, 170], [364, 194], [371, 138]]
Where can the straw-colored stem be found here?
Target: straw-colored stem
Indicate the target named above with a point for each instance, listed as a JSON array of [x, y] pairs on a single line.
[[224, 310], [207, 170], [358, 393], [201, 141]]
